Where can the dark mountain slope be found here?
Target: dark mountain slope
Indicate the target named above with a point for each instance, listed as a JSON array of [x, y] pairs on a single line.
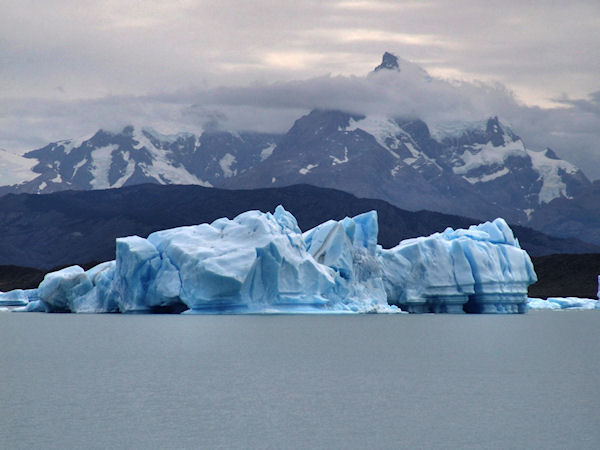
[[576, 217], [566, 276], [70, 227]]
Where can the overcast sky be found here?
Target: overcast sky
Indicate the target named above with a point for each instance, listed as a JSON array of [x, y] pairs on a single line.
[[69, 67]]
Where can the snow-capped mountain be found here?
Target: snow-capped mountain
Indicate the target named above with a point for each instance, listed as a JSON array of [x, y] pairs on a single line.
[[484, 172], [496, 162], [476, 169], [140, 155]]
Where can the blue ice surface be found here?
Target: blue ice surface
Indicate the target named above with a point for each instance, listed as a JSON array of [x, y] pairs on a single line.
[[18, 297], [479, 270], [261, 263], [562, 303]]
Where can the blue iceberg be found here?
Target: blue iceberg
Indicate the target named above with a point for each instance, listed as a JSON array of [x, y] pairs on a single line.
[[562, 303], [253, 263], [429, 274], [263, 263], [479, 270], [349, 247], [18, 297]]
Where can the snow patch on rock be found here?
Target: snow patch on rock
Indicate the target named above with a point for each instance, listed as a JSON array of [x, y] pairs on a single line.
[[225, 163], [307, 169], [267, 151], [549, 169]]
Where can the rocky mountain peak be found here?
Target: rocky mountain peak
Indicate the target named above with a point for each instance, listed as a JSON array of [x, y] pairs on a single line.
[[495, 131], [389, 62], [549, 153], [320, 121], [128, 130]]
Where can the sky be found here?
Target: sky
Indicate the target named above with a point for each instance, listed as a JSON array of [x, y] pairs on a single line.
[[69, 67]]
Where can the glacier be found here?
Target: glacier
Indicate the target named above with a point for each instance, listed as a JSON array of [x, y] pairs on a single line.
[[262, 263]]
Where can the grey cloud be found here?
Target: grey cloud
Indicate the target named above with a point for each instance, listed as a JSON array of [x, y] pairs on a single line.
[[150, 62], [590, 105], [112, 47], [572, 130]]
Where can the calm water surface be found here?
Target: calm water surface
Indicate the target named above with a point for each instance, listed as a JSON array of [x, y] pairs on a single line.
[[368, 381]]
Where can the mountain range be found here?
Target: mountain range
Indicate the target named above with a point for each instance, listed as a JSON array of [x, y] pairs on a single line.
[[474, 169]]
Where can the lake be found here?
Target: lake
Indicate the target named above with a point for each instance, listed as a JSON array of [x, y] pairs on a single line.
[[304, 381]]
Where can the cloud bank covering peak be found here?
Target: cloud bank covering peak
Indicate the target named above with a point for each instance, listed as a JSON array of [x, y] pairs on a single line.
[[69, 67]]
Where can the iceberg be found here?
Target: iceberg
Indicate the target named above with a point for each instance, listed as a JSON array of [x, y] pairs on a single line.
[[561, 303], [59, 290], [349, 247], [34, 306], [262, 263], [429, 274], [501, 269], [479, 270], [255, 263], [18, 297]]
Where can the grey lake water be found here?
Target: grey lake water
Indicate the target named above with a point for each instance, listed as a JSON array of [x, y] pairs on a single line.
[[365, 381]]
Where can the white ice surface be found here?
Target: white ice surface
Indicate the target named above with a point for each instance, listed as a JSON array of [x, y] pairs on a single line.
[[101, 161], [488, 155], [15, 169], [549, 169], [161, 168], [225, 163], [267, 151], [335, 161], [382, 129], [307, 169]]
